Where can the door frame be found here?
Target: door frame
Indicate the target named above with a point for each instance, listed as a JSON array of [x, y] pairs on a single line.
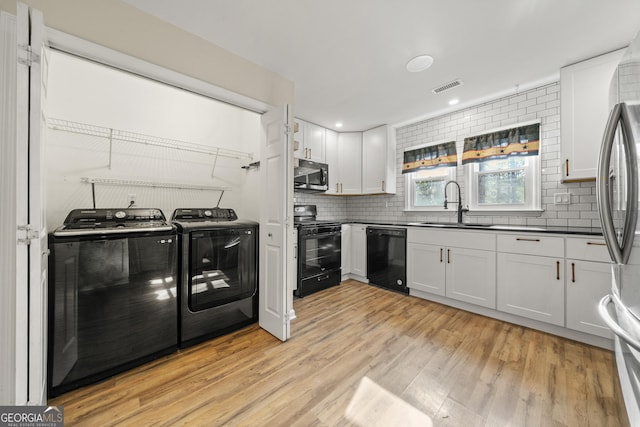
[[64, 42]]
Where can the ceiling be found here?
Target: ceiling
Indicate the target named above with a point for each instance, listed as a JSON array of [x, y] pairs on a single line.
[[347, 57]]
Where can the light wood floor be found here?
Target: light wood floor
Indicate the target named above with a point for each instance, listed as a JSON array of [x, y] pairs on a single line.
[[363, 356]]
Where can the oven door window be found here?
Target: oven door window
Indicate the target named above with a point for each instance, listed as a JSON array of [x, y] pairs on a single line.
[[222, 267], [319, 253]]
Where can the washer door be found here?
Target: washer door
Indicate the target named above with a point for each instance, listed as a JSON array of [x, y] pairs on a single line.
[[222, 267]]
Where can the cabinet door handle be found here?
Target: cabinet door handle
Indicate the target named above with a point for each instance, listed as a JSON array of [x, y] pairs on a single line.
[[597, 243], [341, 188], [440, 254], [448, 256], [309, 153], [573, 272], [557, 270], [383, 186], [522, 239], [337, 187], [566, 167]]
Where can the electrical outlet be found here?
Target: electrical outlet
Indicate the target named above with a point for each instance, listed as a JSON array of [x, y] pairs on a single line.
[[562, 198], [131, 199]]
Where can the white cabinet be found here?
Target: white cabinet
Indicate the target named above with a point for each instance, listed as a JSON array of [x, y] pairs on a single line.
[[379, 161], [310, 141], [344, 156], [531, 286], [298, 139], [584, 108], [426, 268], [345, 249], [471, 276], [359, 250], [588, 280], [460, 265]]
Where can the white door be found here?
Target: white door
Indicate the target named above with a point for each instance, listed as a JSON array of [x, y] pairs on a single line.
[[471, 276], [32, 283], [275, 296], [426, 270]]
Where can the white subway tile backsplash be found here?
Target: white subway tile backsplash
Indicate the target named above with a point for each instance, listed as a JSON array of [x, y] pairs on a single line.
[[540, 103]]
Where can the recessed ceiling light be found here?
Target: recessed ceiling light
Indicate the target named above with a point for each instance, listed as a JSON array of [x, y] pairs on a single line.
[[419, 63], [338, 125], [454, 101]]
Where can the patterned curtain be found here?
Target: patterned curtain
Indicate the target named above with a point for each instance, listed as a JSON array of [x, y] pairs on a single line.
[[518, 141], [430, 157]]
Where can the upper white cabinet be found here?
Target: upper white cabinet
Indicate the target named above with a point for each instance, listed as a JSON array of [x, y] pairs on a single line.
[[379, 161], [584, 109], [310, 141], [359, 162], [344, 156]]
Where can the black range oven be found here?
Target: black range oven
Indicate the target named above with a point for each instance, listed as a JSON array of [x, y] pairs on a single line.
[[319, 251]]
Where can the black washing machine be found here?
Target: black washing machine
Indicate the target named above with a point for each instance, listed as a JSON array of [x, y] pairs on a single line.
[[112, 294], [218, 273]]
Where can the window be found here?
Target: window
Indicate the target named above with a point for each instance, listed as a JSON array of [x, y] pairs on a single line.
[[427, 168], [425, 188], [504, 177]]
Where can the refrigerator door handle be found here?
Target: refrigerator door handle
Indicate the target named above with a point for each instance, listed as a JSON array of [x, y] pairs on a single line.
[[603, 195], [619, 252], [631, 157], [603, 310]]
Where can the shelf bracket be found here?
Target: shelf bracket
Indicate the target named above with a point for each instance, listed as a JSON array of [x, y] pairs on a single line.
[[215, 160], [110, 145]]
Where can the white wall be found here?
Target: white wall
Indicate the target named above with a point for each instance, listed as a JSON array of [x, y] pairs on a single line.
[[123, 28], [90, 93]]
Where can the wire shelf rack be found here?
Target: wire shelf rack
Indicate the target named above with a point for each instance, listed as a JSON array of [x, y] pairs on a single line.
[[136, 183], [112, 134]]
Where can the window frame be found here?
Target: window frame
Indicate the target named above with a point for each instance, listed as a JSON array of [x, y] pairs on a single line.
[[532, 189], [411, 179]]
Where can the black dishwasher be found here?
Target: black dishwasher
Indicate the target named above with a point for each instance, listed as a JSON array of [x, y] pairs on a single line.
[[386, 258]]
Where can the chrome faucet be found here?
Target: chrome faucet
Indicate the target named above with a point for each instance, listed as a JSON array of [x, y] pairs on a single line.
[[459, 202]]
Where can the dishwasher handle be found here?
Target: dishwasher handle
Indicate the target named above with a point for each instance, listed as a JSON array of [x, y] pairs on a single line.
[[395, 232]]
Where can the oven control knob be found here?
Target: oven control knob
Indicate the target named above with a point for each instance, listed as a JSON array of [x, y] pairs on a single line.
[[120, 215], [208, 213]]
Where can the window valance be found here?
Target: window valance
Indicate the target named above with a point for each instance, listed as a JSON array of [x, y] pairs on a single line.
[[429, 157], [517, 141]]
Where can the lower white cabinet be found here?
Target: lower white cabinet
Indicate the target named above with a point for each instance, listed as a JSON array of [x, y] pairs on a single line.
[[464, 274], [359, 250], [345, 249], [471, 276], [426, 268], [587, 283], [531, 286], [588, 280]]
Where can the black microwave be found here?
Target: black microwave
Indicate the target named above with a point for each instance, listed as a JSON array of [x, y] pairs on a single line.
[[310, 177]]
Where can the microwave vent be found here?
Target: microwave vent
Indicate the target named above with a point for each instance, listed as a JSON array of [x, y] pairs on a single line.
[[447, 86]]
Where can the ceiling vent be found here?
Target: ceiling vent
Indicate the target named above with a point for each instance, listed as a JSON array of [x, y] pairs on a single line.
[[447, 86]]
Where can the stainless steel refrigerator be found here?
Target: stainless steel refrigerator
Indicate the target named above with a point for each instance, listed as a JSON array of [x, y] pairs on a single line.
[[617, 194]]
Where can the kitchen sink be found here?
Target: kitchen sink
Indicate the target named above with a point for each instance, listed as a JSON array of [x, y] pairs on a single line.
[[452, 224]]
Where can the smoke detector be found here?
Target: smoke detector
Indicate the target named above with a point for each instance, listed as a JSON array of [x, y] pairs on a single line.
[[419, 63], [447, 86]]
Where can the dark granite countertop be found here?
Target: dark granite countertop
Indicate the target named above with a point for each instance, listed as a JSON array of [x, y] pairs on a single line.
[[591, 231]]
